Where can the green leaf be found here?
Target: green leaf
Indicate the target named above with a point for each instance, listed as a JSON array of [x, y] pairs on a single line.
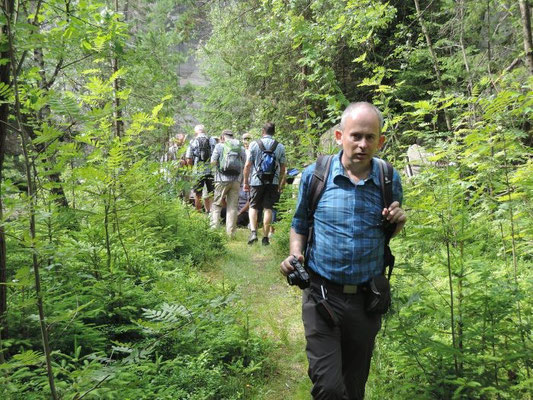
[[156, 109]]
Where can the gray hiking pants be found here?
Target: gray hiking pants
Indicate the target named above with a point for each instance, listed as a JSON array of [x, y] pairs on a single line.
[[230, 192], [339, 357]]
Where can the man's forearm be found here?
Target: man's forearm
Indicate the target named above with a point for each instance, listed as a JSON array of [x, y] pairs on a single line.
[[246, 175], [297, 243], [282, 171]]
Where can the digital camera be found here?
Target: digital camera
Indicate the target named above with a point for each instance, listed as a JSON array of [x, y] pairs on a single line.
[[299, 276]]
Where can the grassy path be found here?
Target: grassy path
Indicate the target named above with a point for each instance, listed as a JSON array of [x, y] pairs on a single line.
[[274, 310]]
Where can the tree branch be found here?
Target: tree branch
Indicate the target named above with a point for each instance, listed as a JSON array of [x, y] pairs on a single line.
[[11, 127], [54, 75], [94, 387]]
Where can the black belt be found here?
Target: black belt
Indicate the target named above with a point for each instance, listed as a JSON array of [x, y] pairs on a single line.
[[332, 286]]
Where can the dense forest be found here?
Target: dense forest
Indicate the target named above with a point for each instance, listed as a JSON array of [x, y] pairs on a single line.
[[103, 289]]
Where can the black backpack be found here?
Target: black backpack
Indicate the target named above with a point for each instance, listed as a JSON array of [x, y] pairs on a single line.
[[267, 162], [318, 182], [202, 152]]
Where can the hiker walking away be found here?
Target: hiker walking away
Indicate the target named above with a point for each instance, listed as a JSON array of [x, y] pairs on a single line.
[[263, 178], [243, 218], [199, 156], [228, 159], [346, 253]]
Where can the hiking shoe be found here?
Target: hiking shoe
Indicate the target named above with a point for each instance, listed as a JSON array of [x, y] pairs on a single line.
[[253, 238], [265, 241]]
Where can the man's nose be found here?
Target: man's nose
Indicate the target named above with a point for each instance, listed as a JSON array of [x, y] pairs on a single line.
[[363, 143]]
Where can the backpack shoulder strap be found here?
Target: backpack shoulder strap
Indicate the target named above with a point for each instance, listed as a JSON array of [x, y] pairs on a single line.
[[260, 144], [316, 187], [318, 182], [386, 172], [273, 147]]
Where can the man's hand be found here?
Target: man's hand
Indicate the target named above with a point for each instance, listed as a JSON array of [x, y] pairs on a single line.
[[246, 187], [286, 267], [395, 214]]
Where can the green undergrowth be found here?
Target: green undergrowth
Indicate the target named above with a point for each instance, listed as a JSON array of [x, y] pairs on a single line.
[[149, 327]]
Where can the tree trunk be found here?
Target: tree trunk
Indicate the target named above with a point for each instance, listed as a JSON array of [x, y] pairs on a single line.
[[60, 197], [35, 263], [434, 59], [526, 28], [4, 114], [462, 44], [452, 307], [117, 113], [31, 197]]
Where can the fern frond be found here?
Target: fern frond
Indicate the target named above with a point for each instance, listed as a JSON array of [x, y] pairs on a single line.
[[169, 313]]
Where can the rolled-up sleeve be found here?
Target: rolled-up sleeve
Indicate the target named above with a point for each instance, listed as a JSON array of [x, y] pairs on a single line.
[[281, 154], [299, 221]]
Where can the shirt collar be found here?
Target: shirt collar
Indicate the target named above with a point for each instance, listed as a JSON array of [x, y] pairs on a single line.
[[337, 169]]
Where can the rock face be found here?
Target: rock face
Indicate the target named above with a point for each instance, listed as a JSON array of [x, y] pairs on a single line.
[[418, 158], [190, 75], [189, 71], [12, 144], [328, 144]]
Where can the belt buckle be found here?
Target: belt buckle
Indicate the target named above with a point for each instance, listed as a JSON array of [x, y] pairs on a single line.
[[349, 289]]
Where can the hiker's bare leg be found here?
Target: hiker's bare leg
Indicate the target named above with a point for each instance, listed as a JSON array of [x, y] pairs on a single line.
[[207, 202], [198, 201], [267, 220], [252, 213]]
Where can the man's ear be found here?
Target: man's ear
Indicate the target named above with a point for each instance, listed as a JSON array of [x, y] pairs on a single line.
[[338, 136], [381, 141]]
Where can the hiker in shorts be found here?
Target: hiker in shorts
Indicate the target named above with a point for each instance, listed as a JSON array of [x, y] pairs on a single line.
[[263, 177], [228, 160], [199, 156]]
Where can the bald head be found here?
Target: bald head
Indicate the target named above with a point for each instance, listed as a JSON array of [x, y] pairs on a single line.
[[199, 129], [354, 108]]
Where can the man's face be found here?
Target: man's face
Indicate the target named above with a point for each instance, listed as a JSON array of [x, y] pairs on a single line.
[[180, 139], [360, 138]]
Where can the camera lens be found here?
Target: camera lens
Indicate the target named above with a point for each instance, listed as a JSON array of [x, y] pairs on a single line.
[[292, 278]]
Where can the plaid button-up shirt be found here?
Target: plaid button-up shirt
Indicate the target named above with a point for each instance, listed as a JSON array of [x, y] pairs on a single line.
[[348, 241]]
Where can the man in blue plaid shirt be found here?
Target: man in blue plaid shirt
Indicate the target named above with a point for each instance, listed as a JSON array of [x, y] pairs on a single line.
[[347, 251]]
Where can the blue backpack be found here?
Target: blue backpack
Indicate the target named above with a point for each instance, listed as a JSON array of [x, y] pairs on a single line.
[[267, 162]]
